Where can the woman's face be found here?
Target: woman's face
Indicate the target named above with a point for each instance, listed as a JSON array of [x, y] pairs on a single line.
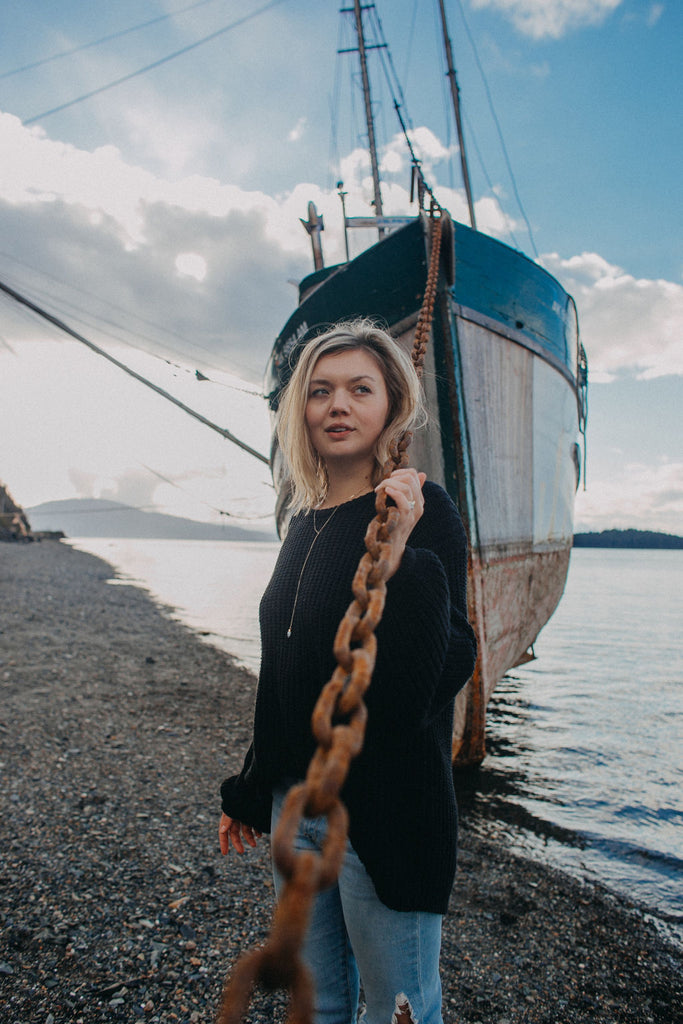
[[347, 406]]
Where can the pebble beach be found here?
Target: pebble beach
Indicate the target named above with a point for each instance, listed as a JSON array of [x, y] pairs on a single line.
[[117, 725]]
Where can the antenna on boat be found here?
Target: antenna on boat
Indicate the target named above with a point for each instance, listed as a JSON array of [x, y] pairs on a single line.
[[314, 226], [342, 195], [357, 11], [455, 94]]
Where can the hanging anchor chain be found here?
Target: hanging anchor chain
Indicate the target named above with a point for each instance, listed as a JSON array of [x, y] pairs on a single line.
[[424, 320], [338, 724]]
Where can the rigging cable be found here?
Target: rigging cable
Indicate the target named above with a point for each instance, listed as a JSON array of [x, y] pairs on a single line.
[[156, 63], [334, 159], [508, 227], [398, 101], [447, 104], [499, 129], [412, 35], [393, 81], [214, 508], [93, 320], [121, 508], [132, 373], [103, 39], [355, 130], [4, 343]]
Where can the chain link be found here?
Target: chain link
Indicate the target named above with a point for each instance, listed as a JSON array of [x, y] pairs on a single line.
[[424, 320], [338, 723]]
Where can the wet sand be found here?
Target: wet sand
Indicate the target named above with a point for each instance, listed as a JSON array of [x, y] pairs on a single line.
[[117, 725]]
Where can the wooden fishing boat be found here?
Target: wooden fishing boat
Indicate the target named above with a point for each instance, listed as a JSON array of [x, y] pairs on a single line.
[[505, 382]]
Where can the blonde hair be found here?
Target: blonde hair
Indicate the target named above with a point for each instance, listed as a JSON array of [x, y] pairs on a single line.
[[307, 470]]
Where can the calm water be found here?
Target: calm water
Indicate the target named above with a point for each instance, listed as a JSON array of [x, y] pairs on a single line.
[[585, 745]]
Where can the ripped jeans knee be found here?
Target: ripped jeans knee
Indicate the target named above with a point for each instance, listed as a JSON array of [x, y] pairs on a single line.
[[354, 938]]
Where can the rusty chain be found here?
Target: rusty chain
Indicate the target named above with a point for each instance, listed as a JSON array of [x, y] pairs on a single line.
[[424, 320], [278, 963]]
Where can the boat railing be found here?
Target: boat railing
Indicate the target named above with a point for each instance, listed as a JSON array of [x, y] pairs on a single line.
[[378, 222]]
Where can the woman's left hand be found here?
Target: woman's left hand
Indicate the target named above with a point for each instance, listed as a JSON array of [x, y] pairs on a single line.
[[404, 486], [230, 830]]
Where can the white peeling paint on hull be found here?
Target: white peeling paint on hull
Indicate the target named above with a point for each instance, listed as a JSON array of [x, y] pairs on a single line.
[[521, 479]]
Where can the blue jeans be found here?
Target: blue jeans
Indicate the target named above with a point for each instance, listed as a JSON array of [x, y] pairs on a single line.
[[353, 938]]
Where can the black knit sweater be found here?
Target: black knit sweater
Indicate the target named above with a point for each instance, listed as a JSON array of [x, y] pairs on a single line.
[[399, 792]]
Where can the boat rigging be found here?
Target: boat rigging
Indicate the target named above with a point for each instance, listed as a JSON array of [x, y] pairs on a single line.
[[62, 326], [314, 225], [505, 385], [455, 96]]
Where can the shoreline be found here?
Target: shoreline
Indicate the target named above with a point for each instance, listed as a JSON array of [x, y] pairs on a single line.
[[118, 724]]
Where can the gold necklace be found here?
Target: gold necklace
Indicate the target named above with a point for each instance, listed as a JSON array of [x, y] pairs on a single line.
[[317, 533]]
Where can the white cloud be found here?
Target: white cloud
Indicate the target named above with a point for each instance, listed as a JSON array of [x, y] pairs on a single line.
[[145, 245], [395, 195], [394, 160], [198, 271], [191, 264], [41, 170], [551, 18], [641, 495], [428, 148], [298, 130], [354, 167], [171, 137], [134, 487], [119, 235], [541, 70], [492, 219], [628, 324]]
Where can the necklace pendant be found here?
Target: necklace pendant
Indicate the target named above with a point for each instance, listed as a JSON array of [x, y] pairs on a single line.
[[317, 533]]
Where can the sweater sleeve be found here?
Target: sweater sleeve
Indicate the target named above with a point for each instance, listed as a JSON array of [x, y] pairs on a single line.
[[246, 798], [426, 646]]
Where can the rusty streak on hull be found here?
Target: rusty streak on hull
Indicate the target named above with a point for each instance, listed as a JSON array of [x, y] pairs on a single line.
[[511, 599]]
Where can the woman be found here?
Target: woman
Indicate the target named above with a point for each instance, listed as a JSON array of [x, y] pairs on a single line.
[[352, 393]]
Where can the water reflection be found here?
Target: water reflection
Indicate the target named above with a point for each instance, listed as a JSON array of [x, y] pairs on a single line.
[[553, 806]]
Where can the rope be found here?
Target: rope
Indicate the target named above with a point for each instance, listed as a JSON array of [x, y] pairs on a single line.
[[278, 963]]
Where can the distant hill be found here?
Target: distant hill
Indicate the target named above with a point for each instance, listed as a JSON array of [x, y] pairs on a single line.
[[95, 517], [628, 539]]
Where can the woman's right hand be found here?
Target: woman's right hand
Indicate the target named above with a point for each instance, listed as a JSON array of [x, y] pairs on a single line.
[[230, 830], [404, 486]]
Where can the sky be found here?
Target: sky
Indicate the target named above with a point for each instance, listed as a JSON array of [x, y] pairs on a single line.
[[157, 156]]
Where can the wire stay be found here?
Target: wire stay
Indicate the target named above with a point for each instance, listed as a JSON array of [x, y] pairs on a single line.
[[22, 300]]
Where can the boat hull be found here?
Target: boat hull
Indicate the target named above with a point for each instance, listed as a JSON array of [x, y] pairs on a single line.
[[500, 382]]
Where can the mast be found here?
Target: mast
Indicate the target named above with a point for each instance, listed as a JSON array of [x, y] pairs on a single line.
[[358, 14], [455, 94]]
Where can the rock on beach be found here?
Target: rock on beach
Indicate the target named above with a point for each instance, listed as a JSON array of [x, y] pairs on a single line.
[[117, 725]]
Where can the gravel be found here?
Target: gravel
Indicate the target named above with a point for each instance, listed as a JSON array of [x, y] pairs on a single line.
[[117, 725]]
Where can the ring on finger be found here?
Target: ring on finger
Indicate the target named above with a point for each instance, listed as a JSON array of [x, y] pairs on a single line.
[[411, 505]]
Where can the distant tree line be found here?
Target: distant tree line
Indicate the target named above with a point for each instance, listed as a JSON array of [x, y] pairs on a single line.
[[628, 539]]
